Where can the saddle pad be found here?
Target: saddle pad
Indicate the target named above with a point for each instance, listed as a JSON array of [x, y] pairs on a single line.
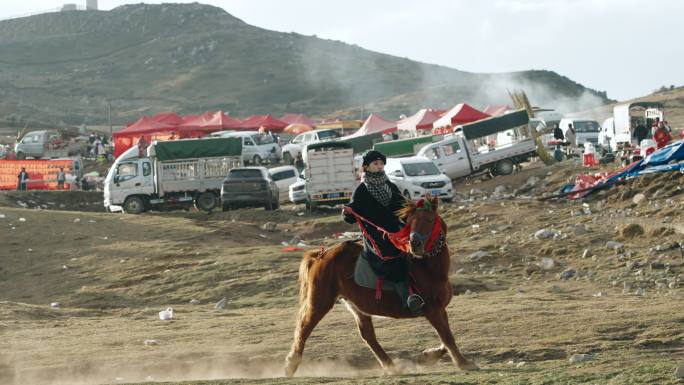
[[364, 275]]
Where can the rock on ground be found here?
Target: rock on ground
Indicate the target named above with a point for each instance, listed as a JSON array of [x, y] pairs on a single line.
[[630, 231], [581, 358], [679, 371]]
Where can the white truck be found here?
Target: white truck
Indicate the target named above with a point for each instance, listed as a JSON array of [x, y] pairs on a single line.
[[174, 174], [294, 148], [329, 174], [617, 132], [464, 152]]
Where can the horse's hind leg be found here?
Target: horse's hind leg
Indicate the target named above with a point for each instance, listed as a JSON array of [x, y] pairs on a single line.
[[317, 306], [439, 320], [367, 331]]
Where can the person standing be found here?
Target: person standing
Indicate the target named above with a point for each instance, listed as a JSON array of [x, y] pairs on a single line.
[[23, 179], [662, 136], [558, 133], [61, 178], [640, 132], [570, 138]]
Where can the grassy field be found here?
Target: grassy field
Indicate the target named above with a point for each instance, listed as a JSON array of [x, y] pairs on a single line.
[[513, 314]]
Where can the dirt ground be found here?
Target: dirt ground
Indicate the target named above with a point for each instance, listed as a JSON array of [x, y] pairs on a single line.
[[524, 307]]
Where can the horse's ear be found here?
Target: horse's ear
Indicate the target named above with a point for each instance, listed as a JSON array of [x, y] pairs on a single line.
[[434, 202]]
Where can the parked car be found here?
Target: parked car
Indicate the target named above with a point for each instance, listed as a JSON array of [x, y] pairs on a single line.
[[297, 191], [294, 148], [249, 186], [257, 148], [284, 176], [417, 176]]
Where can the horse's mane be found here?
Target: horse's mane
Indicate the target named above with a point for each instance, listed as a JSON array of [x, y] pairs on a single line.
[[408, 209]]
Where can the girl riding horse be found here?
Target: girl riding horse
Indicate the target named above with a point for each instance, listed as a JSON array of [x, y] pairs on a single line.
[[378, 200]]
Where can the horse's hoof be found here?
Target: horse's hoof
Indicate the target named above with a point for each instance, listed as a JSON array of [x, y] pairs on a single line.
[[430, 356], [391, 369], [468, 366]]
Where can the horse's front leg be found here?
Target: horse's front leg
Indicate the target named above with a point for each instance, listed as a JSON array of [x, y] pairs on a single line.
[[440, 321]]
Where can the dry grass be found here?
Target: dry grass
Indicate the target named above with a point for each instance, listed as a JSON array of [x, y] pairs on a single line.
[[113, 288]]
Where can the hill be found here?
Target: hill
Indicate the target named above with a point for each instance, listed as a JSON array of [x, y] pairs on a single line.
[[672, 99], [68, 67]]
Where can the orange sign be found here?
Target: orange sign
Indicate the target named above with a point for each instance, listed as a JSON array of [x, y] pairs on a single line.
[[42, 173]]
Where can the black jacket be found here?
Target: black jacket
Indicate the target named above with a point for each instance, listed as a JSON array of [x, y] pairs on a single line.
[[558, 134], [363, 203]]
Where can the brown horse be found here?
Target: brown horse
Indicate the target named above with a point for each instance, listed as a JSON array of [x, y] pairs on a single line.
[[328, 275]]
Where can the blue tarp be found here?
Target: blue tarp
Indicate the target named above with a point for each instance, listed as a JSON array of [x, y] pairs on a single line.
[[672, 152], [667, 159]]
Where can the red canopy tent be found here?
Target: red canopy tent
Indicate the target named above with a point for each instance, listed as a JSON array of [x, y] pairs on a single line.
[[297, 128], [459, 114], [200, 125], [145, 127], [170, 118], [298, 119], [421, 120], [376, 123], [268, 122], [496, 110]]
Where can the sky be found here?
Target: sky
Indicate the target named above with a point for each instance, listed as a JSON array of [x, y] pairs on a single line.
[[628, 48]]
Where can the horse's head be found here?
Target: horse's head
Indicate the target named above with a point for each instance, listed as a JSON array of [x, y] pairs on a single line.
[[421, 218]]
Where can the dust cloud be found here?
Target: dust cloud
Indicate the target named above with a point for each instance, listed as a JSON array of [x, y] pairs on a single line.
[[169, 368]]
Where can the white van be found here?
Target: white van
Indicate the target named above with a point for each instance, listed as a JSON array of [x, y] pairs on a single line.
[[256, 148], [417, 175], [586, 130]]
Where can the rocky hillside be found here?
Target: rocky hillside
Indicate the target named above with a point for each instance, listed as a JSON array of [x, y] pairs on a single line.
[[68, 67]]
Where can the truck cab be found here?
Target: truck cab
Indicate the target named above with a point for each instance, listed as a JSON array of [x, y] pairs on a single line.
[[449, 155], [294, 148], [128, 176], [586, 130], [257, 147]]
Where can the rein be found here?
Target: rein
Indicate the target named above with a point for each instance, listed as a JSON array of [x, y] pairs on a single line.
[[401, 240]]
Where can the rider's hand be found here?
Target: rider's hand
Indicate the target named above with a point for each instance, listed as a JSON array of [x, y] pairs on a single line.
[[346, 210]]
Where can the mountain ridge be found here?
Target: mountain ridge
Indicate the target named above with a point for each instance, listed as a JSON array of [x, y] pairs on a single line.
[[71, 67]]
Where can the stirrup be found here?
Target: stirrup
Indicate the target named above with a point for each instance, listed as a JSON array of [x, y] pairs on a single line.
[[415, 303]]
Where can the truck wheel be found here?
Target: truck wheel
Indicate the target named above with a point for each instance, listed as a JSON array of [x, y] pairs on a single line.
[[206, 201], [21, 155], [287, 158], [504, 167], [310, 206], [257, 160], [268, 206], [134, 205]]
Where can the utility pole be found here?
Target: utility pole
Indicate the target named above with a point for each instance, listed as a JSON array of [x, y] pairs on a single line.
[[109, 116]]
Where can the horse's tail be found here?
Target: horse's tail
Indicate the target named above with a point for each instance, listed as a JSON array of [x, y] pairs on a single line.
[[310, 257]]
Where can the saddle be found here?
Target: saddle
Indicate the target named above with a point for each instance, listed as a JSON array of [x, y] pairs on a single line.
[[364, 276]]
